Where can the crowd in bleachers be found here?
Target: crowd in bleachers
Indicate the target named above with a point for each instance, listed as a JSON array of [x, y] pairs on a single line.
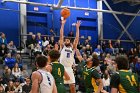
[[16, 79]]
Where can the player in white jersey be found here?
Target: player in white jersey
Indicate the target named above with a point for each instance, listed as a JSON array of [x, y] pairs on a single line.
[[42, 81], [67, 54]]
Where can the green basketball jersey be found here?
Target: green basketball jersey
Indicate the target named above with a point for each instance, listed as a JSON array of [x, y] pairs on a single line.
[[125, 81], [128, 82], [58, 72], [90, 75]]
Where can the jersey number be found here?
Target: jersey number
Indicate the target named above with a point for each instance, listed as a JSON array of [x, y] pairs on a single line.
[[68, 55], [59, 72], [131, 80], [49, 81]]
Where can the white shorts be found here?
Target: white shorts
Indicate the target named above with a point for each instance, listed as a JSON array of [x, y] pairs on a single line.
[[69, 70]]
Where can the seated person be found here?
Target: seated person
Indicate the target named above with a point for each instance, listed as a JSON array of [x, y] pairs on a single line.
[[19, 61], [17, 86], [10, 88], [12, 48], [30, 43], [9, 61], [17, 72], [27, 87], [7, 76], [98, 50], [3, 51], [3, 39]]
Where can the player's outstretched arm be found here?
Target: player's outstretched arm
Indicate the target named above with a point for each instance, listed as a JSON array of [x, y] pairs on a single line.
[[76, 40], [62, 33], [78, 54]]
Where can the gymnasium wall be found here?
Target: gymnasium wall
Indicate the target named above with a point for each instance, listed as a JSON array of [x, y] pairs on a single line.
[[44, 19], [52, 18], [9, 21], [111, 27]]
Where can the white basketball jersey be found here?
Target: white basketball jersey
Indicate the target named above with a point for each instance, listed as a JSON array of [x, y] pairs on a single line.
[[67, 56], [46, 86]]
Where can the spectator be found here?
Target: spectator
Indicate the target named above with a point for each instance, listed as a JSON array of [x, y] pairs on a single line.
[[17, 86], [52, 32], [7, 75], [137, 68], [88, 50], [2, 89], [106, 81], [71, 35], [24, 73], [45, 42], [9, 61], [31, 43], [110, 48], [10, 88], [86, 42], [117, 47], [104, 46], [52, 42], [37, 50], [19, 61], [83, 50], [17, 73], [3, 51], [108, 59], [12, 48], [3, 39], [39, 40], [27, 87], [98, 50]]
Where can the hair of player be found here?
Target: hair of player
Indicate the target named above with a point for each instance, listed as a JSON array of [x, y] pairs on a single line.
[[41, 61], [54, 55], [122, 63]]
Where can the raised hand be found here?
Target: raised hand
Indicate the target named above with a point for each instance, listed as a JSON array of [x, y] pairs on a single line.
[[78, 24], [63, 21]]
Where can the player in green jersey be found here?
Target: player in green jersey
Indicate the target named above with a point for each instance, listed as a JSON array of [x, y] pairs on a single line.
[[123, 81], [57, 70], [92, 79]]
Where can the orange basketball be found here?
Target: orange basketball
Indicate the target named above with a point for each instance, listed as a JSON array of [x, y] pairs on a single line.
[[65, 13]]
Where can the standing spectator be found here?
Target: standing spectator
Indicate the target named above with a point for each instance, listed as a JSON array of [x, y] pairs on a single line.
[[9, 61], [10, 88], [27, 87], [12, 48], [3, 39], [71, 35], [83, 50]]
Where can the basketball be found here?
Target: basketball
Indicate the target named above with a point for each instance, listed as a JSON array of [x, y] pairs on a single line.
[[65, 13]]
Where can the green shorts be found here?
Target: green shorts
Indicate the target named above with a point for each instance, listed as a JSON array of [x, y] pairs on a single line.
[[60, 88]]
